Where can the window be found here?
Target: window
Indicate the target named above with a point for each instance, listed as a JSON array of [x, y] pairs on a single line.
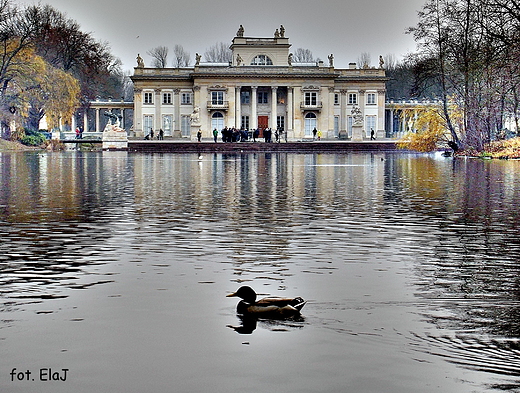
[[310, 123], [371, 98], [261, 60], [185, 126], [148, 98], [186, 98], [371, 124], [350, 124], [263, 97], [336, 126], [217, 97], [245, 123], [167, 98], [245, 97], [147, 124], [352, 98], [311, 98], [280, 122], [336, 99], [217, 121]]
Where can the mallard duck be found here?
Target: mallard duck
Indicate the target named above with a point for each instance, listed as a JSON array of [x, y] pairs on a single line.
[[269, 307]]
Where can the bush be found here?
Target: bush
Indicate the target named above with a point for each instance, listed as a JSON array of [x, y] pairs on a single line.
[[33, 140]]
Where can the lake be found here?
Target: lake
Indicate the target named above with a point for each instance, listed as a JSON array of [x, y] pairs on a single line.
[[115, 268]]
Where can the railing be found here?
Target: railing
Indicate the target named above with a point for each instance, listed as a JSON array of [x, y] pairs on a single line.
[[222, 105], [317, 106]]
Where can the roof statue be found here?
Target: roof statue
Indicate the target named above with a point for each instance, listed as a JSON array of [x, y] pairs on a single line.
[[240, 32], [331, 60], [140, 62], [282, 31], [197, 59], [276, 34], [381, 61], [289, 59]]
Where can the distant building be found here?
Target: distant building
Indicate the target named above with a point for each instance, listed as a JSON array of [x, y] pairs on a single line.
[[260, 88]]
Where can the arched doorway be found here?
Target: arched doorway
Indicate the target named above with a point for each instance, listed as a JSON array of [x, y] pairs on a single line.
[[217, 121], [311, 122]]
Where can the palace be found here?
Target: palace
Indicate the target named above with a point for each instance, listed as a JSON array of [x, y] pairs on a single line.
[[262, 87]]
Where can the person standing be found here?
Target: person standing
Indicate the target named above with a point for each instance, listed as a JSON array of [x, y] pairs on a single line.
[[314, 132], [215, 135], [161, 134], [319, 134], [199, 135], [372, 137]]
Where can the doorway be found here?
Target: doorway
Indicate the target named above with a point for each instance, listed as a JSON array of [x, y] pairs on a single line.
[[263, 123]]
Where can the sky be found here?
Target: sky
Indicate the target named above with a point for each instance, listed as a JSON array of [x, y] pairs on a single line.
[[345, 28]]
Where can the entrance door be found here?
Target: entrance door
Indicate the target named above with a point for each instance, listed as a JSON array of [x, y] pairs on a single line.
[[263, 122]]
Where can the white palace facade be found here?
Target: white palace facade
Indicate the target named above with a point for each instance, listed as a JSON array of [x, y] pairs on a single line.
[[260, 88]]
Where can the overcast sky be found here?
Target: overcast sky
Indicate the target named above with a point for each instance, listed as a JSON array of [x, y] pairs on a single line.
[[345, 28]]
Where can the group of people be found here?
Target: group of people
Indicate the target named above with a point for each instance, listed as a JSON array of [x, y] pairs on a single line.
[[151, 134], [242, 135]]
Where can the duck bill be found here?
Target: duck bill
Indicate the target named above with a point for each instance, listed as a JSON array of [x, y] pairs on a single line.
[[231, 294]]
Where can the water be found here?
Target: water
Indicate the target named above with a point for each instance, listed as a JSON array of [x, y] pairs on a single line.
[[115, 267]]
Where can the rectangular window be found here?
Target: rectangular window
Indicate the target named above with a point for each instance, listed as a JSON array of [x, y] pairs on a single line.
[[148, 98], [263, 97], [245, 97], [371, 98], [352, 99], [147, 124], [336, 126], [280, 122], [350, 124], [186, 98], [371, 124], [217, 97], [336, 99], [245, 123], [311, 98], [167, 98], [185, 126]]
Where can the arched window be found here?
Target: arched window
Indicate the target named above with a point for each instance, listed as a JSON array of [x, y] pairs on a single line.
[[261, 60], [217, 121], [311, 122]]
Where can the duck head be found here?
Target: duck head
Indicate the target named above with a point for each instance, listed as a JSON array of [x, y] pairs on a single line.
[[246, 293]]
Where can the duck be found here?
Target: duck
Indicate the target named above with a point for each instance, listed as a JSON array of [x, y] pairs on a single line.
[[269, 307]]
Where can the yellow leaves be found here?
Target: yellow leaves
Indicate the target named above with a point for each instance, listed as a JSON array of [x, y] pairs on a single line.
[[34, 82], [430, 129], [509, 148]]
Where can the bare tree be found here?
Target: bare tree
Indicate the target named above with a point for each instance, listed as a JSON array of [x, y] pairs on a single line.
[[302, 55], [159, 55], [364, 60], [218, 53], [181, 57]]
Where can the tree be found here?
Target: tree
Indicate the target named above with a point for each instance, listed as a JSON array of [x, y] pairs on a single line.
[[159, 55], [302, 55], [218, 53], [364, 60], [181, 58]]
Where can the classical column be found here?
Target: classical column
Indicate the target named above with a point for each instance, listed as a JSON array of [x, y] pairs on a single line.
[[274, 105], [343, 115], [122, 125], [254, 101], [238, 107], [97, 120], [176, 113], [85, 120], [290, 111], [362, 108], [138, 113], [158, 111]]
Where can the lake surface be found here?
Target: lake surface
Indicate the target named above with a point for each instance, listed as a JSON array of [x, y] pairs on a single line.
[[115, 267]]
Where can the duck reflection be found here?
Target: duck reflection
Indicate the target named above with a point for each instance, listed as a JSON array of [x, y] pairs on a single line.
[[248, 323]]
